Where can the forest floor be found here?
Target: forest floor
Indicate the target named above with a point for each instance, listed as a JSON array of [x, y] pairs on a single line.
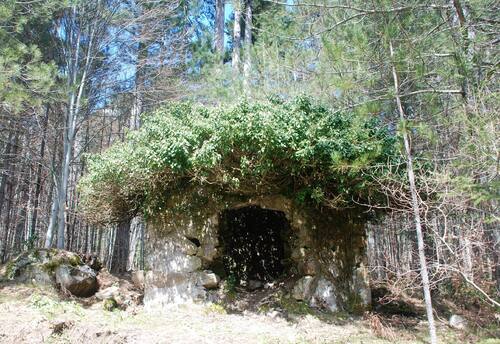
[[31, 314]]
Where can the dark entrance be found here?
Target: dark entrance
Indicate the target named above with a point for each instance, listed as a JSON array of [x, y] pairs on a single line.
[[254, 243]]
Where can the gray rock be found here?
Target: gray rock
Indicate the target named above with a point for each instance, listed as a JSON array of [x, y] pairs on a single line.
[[78, 280], [208, 279], [107, 293], [254, 285], [187, 246], [457, 322], [303, 288], [38, 266], [274, 314], [324, 295], [208, 252]]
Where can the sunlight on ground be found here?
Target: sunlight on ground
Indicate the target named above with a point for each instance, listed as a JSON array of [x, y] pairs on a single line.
[[34, 315]]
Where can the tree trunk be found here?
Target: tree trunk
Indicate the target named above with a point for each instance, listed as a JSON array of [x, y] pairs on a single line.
[[247, 67], [72, 116], [236, 37], [119, 259], [415, 207], [219, 27], [6, 167], [464, 57], [38, 182]]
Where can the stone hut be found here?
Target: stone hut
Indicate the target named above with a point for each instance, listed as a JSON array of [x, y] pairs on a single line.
[[204, 238], [230, 197]]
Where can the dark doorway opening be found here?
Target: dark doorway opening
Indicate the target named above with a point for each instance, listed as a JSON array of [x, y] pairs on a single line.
[[254, 243]]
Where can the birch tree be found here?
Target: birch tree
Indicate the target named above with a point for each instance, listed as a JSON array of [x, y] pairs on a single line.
[[219, 27], [237, 8], [81, 33], [247, 66]]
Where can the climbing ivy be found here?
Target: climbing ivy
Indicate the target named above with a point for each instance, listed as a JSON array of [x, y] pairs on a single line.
[[297, 148]]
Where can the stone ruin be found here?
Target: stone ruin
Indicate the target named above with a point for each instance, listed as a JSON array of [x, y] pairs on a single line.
[[201, 240]]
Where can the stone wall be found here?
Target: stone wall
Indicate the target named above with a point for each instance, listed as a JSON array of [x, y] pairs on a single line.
[[327, 251]]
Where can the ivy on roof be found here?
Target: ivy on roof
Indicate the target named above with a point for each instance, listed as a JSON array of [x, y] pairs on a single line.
[[297, 148]]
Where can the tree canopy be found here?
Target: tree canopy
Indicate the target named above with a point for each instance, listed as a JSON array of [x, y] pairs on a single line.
[[297, 148]]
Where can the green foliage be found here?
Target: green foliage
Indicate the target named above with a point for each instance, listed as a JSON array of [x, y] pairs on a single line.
[[52, 307], [25, 75], [230, 284], [30, 243], [292, 148], [214, 308]]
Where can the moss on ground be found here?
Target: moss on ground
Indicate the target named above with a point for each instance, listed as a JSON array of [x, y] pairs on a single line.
[[109, 304]]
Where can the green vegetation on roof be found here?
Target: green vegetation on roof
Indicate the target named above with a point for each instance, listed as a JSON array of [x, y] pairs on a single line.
[[296, 148]]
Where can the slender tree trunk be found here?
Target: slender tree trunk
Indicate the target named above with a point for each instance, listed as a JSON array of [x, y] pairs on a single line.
[[38, 183], [143, 229], [53, 195], [466, 56], [72, 114], [6, 168], [4, 187], [63, 186], [54, 211], [219, 27], [415, 207], [20, 223], [247, 67], [236, 37], [86, 240]]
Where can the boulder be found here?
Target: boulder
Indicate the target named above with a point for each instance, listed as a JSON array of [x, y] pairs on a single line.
[[254, 285], [208, 279], [188, 246], [38, 266], [303, 288], [78, 280], [324, 295], [457, 322], [107, 293]]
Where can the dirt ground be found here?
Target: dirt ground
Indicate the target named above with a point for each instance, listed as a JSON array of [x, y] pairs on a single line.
[[35, 315]]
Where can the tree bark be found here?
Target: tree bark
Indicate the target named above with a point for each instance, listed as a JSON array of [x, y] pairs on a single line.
[[219, 27], [6, 168], [247, 66], [236, 37], [415, 207], [119, 259], [38, 182]]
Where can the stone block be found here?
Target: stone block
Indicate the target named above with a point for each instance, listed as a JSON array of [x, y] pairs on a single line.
[[303, 288]]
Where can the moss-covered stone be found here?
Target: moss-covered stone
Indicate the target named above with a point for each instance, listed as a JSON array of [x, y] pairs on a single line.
[[59, 258], [39, 265], [109, 304]]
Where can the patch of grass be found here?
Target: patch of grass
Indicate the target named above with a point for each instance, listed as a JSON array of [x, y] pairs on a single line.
[[10, 270], [214, 308], [51, 308], [295, 307]]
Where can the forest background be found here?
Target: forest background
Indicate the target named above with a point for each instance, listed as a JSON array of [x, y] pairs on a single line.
[[76, 76]]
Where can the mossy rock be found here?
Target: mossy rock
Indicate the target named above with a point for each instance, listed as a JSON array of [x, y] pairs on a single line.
[[109, 304], [59, 258], [39, 265]]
